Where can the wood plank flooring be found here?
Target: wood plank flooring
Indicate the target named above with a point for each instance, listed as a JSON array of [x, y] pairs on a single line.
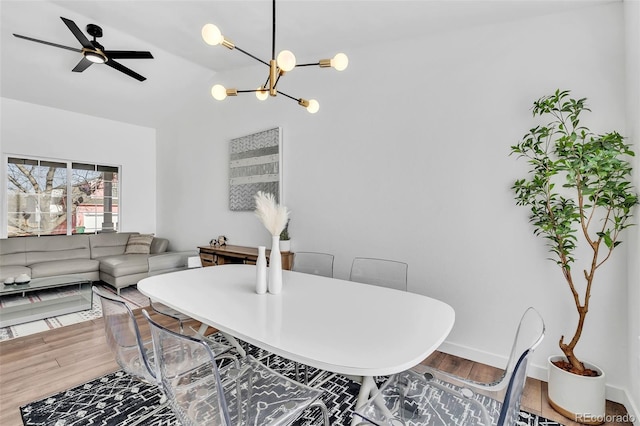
[[39, 365]]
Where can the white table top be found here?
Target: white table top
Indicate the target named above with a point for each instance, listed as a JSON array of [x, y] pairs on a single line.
[[336, 325]]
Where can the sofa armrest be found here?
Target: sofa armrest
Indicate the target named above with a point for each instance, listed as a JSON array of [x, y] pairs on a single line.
[[169, 262]]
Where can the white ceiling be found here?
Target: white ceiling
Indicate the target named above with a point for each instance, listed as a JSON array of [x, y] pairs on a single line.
[[183, 64]]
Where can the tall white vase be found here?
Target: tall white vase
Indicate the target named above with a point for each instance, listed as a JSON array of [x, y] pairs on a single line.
[[275, 266], [261, 271]]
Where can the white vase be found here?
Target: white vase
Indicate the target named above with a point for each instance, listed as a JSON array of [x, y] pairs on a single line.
[[261, 271], [579, 398], [275, 266]]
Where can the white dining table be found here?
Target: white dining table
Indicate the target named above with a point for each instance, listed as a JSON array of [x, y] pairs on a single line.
[[353, 329]]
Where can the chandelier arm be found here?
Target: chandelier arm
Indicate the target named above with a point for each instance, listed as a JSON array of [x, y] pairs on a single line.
[[252, 56], [277, 80], [288, 96], [308, 65], [248, 91]]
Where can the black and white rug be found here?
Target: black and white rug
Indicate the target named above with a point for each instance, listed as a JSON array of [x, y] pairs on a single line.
[[120, 399]]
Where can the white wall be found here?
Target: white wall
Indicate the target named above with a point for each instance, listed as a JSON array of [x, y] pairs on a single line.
[[44, 132], [408, 159], [632, 37]]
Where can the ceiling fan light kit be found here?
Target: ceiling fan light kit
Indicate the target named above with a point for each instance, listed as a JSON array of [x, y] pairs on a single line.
[[278, 65], [95, 56], [93, 52]]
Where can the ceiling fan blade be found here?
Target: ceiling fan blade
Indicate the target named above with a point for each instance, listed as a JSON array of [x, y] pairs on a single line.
[[127, 54], [84, 41], [48, 43], [127, 71], [82, 65]]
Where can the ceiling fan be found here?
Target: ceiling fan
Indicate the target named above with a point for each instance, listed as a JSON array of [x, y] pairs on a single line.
[[94, 53]]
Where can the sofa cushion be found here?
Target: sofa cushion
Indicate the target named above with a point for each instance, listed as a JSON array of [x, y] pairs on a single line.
[[58, 247], [125, 264], [108, 244], [64, 267], [159, 245], [139, 244], [13, 271], [12, 252]]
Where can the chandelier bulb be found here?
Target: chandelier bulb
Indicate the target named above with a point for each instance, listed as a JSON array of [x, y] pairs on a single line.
[[262, 93], [313, 106], [286, 60], [340, 62], [212, 35], [218, 92]]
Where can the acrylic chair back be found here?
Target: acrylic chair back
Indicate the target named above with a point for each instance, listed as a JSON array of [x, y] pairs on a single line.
[[510, 411], [123, 337], [313, 263], [529, 334], [380, 272], [189, 377]]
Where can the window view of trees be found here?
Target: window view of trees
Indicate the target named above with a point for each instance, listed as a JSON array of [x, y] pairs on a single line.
[[51, 198]]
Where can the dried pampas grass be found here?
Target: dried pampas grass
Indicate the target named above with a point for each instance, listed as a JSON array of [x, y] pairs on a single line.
[[273, 216]]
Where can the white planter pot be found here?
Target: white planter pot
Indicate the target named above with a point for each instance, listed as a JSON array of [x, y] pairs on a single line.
[[579, 398], [285, 245]]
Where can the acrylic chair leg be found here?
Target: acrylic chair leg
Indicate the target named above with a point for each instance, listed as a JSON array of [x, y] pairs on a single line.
[[306, 374], [323, 409]]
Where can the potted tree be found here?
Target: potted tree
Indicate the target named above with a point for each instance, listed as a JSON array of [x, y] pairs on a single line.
[[580, 195]]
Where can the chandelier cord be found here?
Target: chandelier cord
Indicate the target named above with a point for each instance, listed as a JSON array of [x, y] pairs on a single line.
[[273, 32]]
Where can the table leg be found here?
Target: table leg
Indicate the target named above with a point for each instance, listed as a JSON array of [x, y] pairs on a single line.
[[367, 389], [234, 342], [202, 329]]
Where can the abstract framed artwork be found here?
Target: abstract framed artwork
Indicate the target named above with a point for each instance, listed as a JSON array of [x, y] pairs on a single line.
[[255, 164]]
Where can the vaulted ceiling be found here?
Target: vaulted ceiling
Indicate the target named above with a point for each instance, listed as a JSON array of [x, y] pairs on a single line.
[[184, 65]]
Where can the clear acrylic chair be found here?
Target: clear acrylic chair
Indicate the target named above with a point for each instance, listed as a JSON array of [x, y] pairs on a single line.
[[380, 272], [188, 260], [202, 394], [313, 263], [423, 395], [133, 354]]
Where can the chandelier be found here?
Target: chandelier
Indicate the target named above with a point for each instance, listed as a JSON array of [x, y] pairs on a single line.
[[278, 65]]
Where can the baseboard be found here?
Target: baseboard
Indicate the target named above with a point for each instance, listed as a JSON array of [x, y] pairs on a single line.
[[633, 411], [613, 393]]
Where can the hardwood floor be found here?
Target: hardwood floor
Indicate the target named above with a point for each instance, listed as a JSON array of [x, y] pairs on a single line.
[[36, 366]]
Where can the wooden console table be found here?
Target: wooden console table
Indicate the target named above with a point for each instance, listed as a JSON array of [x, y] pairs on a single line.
[[212, 256]]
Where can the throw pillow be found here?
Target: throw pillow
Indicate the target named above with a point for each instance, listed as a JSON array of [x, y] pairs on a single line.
[[139, 244]]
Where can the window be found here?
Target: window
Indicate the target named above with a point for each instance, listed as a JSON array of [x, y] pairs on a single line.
[[53, 198]]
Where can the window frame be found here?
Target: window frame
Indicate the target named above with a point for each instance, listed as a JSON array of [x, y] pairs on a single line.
[[43, 161]]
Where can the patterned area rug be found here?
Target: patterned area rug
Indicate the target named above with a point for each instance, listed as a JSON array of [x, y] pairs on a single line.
[[120, 399], [132, 296]]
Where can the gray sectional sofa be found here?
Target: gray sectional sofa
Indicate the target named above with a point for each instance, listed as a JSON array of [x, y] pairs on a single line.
[[91, 256]]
